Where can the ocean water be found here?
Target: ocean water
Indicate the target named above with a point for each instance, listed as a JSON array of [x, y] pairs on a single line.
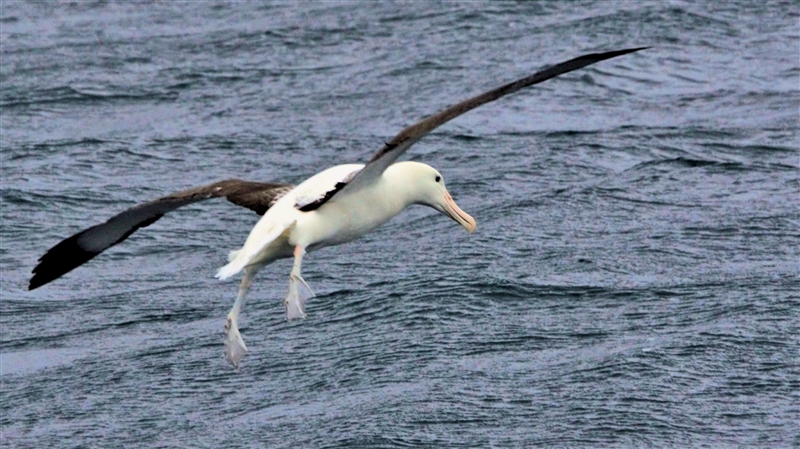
[[634, 280]]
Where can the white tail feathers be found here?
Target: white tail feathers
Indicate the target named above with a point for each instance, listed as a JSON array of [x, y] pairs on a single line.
[[254, 246], [234, 266]]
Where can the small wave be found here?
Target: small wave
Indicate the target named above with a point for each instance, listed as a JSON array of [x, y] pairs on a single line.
[[27, 362], [71, 95], [679, 161], [652, 202], [755, 148], [37, 150]]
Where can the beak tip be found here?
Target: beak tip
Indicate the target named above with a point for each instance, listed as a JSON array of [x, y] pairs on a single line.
[[453, 211]]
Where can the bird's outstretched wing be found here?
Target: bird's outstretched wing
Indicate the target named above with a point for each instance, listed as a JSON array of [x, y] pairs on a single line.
[[410, 135], [74, 251]]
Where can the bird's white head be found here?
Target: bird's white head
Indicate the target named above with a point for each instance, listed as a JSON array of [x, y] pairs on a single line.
[[424, 185]]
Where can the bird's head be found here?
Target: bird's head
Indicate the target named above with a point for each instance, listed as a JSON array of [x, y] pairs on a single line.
[[425, 185]]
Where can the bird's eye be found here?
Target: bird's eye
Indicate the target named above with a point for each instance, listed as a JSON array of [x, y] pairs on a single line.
[[438, 178]]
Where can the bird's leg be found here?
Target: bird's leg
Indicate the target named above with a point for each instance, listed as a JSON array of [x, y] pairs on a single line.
[[299, 291], [234, 345]]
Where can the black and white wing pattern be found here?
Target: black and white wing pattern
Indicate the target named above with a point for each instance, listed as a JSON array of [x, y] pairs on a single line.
[[74, 251], [310, 196], [410, 135]]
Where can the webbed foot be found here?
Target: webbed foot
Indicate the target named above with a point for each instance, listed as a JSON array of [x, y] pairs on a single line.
[[235, 348], [295, 301]]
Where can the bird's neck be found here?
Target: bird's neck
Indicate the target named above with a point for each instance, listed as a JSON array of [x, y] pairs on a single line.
[[399, 189]]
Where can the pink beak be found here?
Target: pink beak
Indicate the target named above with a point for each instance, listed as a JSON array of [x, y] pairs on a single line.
[[453, 211]]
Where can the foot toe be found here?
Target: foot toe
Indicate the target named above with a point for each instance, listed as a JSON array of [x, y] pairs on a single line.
[[235, 348]]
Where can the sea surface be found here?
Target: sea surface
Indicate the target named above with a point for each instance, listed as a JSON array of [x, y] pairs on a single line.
[[634, 280]]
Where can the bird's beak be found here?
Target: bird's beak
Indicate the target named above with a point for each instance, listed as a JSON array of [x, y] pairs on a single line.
[[452, 210]]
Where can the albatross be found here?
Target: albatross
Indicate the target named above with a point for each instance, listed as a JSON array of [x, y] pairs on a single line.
[[335, 206]]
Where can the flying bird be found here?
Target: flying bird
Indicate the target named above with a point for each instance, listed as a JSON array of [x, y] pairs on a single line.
[[335, 206]]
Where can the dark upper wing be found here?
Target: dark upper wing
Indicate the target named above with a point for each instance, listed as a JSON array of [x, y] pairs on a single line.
[[409, 136], [83, 246]]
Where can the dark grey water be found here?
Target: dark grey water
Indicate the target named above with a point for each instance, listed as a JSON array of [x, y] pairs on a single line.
[[633, 280]]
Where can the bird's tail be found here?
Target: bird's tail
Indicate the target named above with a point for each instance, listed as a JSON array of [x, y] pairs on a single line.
[[235, 265], [249, 253]]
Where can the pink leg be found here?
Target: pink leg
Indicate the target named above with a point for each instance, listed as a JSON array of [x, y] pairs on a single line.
[[299, 291], [299, 252]]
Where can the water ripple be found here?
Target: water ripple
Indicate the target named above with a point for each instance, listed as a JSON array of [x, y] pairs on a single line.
[[632, 282]]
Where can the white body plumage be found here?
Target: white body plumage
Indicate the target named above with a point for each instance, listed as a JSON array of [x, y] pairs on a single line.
[[346, 217]]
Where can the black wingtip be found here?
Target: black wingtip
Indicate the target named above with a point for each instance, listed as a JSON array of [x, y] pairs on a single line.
[[60, 260], [631, 50], [615, 53]]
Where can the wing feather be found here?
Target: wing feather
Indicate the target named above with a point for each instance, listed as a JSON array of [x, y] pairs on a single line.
[[78, 249], [393, 149]]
